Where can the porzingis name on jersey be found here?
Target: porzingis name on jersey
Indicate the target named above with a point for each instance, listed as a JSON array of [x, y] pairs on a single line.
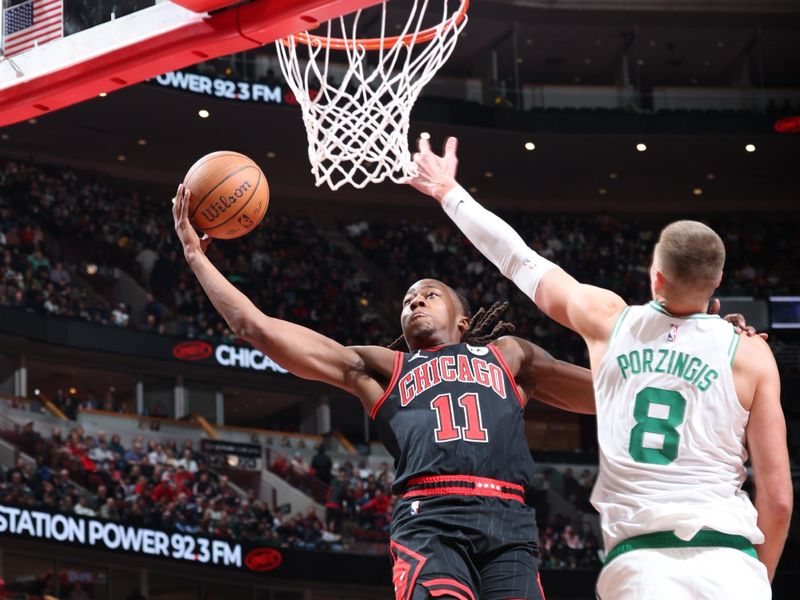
[[440, 369], [662, 360]]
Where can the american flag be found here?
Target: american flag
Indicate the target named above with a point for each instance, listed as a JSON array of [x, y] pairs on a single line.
[[30, 23]]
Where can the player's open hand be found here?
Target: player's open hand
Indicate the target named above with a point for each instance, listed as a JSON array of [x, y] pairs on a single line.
[[190, 241], [436, 175], [737, 320]]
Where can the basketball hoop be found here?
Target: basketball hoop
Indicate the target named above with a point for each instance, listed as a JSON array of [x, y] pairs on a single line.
[[358, 129]]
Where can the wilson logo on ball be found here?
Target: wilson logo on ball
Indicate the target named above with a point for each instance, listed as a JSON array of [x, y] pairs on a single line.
[[192, 350], [263, 559], [225, 202]]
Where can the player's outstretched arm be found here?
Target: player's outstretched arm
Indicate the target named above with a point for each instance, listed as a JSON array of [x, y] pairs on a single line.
[[587, 310], [361, 371], [554, 382], [766, 442]]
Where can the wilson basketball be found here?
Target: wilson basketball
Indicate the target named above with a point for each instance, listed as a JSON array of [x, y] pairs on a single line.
[[229, 194]]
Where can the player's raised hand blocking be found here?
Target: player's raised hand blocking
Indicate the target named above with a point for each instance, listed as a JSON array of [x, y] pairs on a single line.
[[436, 175], [190, 241]]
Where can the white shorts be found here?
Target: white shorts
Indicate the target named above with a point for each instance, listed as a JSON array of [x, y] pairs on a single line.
[[684, 574]]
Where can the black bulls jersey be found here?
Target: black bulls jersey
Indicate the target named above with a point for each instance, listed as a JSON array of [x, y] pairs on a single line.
[[454, 410]]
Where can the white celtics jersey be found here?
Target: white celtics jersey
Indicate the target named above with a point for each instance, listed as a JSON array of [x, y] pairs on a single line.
[[671, 429]]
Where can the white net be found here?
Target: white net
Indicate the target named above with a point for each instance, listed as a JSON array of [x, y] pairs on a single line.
[[358, 127]]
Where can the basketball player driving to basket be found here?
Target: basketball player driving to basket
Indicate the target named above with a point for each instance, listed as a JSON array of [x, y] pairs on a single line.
[[451, 413], [678, 409]]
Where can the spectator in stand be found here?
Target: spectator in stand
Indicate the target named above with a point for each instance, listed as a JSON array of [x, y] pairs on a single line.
[[116, 445], [164, 490], [157, 455], [90, 401], [109, 510], [204, 487], [146, 258], [101, 454], [16, 491], [337, 502], [187, 462], [375, 511], [226, 494], [321, 465], [38, 261], [298, 464], [571, 485], [60, 277], [77, 592], [363, 471], [135, 454], [82, 508], [120, 315]]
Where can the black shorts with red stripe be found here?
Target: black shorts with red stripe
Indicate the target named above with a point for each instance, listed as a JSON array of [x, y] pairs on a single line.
[[467, 547]]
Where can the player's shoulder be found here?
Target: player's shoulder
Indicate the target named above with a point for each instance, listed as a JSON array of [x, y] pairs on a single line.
[[753, 354], [517, 351], [377, 358]]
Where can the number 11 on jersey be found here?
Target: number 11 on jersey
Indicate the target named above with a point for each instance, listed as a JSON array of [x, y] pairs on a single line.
[[447, 430]]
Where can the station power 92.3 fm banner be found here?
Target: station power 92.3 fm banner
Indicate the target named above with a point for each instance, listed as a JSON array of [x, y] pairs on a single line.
[[119, 537], [234, 556]]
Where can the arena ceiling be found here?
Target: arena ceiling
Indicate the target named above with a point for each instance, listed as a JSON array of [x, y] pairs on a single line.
[[159, 135], [582, 161], [693, 42]]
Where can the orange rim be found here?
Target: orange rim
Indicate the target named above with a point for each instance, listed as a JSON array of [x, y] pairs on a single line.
[[426, 35]]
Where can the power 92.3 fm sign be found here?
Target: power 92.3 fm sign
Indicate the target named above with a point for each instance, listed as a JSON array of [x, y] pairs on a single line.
[[99, 534]]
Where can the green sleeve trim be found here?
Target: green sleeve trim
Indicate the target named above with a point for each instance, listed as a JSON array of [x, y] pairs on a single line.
[[620, 318], [734, 346]]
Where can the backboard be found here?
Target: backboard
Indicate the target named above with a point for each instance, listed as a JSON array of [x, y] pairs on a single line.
[[131, 48]]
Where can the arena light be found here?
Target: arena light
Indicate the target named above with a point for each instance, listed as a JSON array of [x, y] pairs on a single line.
[[142, 142], [602, 191], [203, 113], [697, 191], [750, 147], [641, 147], [612, 175], [473, 190], [530, 146], [5, 136], [424, 135], [488, 174], [103, 94], [122, 158], [711, 177], [91, 269], [271, 154]]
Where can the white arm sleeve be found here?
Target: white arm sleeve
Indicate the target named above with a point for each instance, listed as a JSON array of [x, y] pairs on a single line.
[[497, 241]]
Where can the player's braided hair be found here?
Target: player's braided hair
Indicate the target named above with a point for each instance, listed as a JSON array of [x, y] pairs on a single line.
[[484, 327]]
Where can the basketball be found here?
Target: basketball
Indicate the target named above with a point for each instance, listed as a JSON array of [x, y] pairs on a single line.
[[229, 194]]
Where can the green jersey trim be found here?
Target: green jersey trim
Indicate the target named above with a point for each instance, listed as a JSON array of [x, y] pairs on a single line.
[[734, 346], [658, 308], [620, 319], [667, 539]]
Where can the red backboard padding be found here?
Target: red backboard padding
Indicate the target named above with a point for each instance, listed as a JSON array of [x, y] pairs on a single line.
[[233, 30], [204, 5]]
